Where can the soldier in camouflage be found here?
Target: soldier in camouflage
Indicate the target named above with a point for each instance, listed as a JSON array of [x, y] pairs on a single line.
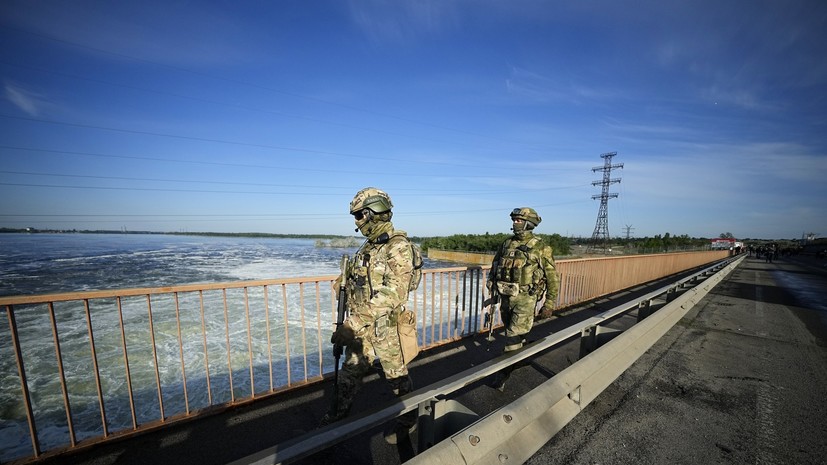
[[377, 285], [522, 273]]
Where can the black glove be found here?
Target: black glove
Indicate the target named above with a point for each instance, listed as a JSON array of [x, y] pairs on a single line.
[[547, 311]]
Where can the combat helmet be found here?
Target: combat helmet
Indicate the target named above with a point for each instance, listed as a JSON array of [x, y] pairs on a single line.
[[526, 214], [373, 199]]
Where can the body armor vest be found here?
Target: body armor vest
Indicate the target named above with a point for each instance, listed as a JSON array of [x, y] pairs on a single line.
[[519, 265]]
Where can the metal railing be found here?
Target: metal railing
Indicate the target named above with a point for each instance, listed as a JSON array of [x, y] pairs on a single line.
[[514, 432], [82, 368]]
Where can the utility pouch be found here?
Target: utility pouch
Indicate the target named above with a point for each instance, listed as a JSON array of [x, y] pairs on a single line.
[[406, 327], [380, 328], [509, 289], [359, 285]]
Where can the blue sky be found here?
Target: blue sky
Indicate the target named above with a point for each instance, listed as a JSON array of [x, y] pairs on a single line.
[[257, 116]]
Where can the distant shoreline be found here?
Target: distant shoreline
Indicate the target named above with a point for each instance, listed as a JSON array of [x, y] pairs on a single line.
[[215, 234]]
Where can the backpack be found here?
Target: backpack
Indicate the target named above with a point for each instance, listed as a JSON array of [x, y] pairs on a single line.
[[416, 255], [416, 275]]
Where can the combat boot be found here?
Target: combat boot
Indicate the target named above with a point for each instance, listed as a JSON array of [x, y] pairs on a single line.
[[332, 417], [327, 419], [402, 428]]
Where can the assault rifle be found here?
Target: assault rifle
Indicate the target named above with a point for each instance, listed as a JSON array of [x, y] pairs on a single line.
[[491, 303], [341, 311]]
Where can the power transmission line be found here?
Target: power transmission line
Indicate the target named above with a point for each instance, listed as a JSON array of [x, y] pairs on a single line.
[[261, 87], [248, 144], [241, 106]]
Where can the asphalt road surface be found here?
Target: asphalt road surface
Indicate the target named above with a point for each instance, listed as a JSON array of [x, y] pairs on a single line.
[[741, 379]]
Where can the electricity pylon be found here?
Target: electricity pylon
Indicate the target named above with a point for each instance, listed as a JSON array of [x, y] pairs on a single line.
[[600, 236]]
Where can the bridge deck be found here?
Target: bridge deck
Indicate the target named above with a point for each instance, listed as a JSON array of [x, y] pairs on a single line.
[[742, 378]]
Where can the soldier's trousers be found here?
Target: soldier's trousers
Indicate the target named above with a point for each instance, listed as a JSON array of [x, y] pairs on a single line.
[[381, 342], [518, 318]]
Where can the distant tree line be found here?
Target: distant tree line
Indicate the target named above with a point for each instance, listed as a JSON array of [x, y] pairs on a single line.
[[562, 245], [658, 243], [667, 242], [487, 242]]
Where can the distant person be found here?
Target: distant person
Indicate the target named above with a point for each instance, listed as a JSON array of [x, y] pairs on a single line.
[[522, 273], [770, 253], [377, 283]]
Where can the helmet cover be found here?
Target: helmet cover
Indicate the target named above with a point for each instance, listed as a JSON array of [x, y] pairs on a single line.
[[376, 200], [526, 214]]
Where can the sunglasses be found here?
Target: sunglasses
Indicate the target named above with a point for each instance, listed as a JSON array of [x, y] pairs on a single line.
[[361, 214]]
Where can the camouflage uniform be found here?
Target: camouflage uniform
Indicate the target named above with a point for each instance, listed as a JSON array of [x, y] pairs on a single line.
[[522, 272], [377, 288], [376, 285], [529, 264]]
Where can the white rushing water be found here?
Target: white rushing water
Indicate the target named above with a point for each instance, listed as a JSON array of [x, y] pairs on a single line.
[[52, 263]]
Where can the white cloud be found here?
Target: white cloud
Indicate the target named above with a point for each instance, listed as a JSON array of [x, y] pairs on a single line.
[[538, 88], [785, 162], [31, 103], [399, 22]]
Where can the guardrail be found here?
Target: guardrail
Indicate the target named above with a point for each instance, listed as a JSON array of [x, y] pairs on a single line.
[[519, 429], [92, 366]]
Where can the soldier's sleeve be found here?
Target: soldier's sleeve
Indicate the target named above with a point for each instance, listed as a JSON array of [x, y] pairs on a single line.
[[494, 263], [550, 270], [392, 292]]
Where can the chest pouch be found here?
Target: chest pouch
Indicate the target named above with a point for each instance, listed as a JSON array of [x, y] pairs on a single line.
[[530, 274], [512, 267], [509, 289]]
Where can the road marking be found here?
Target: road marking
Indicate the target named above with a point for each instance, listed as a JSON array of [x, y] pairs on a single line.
[[765, 399]]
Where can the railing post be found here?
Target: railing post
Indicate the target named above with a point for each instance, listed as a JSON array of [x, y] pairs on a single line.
[[441, 419], [592, 337], [464, 298], [24, 385], [62, 375], [644, 309], [426, 436], [587, 340]]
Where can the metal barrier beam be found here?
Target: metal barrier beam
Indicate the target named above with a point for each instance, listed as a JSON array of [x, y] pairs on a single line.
[[515, 432], [426, 397]]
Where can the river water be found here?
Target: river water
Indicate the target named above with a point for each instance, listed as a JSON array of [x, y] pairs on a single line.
[[48, 263], [55, 263]]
